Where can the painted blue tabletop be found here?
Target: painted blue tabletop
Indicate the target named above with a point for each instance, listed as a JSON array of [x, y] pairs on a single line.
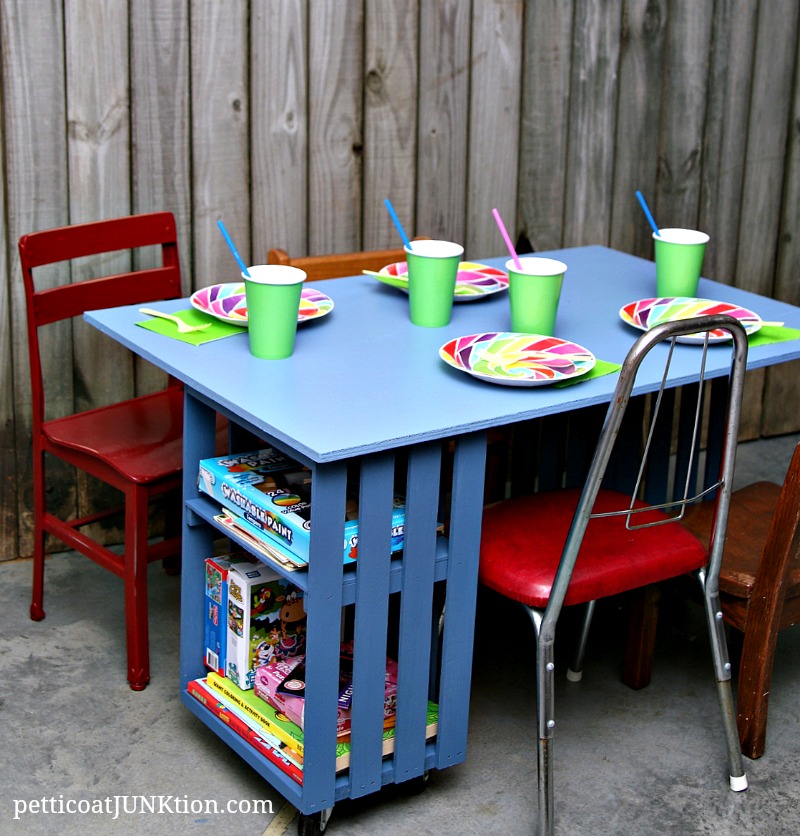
[[364, 379]]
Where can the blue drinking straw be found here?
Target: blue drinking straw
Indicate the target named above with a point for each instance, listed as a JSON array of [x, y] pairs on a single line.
[[397, 223], [233, 249], [647, 213]]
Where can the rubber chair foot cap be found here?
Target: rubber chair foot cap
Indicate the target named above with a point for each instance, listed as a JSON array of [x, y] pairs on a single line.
[[738, 784], [574, 676], [37, 613]]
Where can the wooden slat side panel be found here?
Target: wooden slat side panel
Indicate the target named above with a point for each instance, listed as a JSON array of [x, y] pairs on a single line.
[[37, 198], [390, 119], [638, 109], [444, 35], [494, 123], [279, 133], [593, 102], [335, 122], [544, 127]]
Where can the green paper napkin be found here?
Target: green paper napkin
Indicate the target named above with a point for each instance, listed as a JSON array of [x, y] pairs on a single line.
[[216, 330], [768, 334], [600, 369]]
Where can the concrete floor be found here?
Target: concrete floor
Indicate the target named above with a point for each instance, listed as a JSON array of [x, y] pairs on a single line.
[[647, 762]]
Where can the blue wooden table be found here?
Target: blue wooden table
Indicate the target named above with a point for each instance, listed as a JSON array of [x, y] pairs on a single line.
[[365, 393]]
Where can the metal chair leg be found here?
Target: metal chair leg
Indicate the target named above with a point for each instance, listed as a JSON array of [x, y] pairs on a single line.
[[575, 670]]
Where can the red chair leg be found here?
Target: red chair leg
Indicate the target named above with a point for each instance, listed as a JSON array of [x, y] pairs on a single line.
[[37, 593], [135, 578]]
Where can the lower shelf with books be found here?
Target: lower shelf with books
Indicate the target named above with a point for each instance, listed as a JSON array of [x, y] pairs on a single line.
[[287, 784], [279, 740]]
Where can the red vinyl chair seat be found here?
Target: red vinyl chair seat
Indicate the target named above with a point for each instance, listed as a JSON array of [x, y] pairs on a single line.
[[523, 539], [147, 451]]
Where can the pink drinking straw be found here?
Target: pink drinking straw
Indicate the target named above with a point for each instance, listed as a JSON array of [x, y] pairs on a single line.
[[504, 233]]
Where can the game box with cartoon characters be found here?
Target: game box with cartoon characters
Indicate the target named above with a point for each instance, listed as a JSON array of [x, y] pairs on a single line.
[[272, 493], [215, 624], [266, 620]]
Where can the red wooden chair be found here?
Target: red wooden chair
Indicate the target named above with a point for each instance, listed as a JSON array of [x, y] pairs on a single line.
[[573, 546], [134, 445]]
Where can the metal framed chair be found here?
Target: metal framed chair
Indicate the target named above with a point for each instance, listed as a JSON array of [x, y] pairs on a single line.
[[573, 546], [133, 445]]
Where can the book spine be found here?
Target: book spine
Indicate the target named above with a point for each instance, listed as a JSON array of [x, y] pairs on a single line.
[[245, 732], [219, 684]]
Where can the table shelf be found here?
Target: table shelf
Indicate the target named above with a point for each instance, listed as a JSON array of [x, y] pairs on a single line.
[[203, 510]]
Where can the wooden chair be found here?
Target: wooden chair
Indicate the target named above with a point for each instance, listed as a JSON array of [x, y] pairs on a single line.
[[573, 546], [337, 265], [133, 445], [759, 586]]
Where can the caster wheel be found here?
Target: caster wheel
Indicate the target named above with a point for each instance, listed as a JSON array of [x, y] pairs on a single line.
[[314, 824], [417, 785]]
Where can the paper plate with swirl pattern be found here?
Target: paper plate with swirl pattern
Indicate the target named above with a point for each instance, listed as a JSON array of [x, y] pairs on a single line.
[[474, 281], [227, 302], [510, 358], [646, 313]]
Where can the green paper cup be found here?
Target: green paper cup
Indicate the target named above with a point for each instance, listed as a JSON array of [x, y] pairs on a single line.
[[534, 293], [273, 303], [432, 271], [679, 261]]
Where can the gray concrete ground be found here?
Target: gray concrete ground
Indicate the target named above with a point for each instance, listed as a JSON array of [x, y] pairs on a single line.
[[648, 762]]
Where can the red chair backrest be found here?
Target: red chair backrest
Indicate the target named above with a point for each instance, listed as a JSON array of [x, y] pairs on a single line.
[[67, 300]]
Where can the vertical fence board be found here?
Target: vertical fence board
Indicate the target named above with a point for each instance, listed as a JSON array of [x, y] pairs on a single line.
[[98, 154], [640, 73], [495, 83], [279, 135], [8, 462], [160, 133], [732, 44], [773, 73], [444, 31], [220, 137], [160, 127], [36, 193], [776, 43], [544, 131], [390, 118], [782, 394], [336, 58], [683, 114], [592, 122]]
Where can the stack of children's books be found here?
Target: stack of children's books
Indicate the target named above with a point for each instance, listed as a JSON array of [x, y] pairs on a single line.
[[265, 500], [255, 652]]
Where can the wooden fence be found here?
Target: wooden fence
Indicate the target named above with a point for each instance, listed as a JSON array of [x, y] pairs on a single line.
[[293, 119]]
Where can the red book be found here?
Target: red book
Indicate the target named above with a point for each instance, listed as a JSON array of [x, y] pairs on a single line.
[[199, 690]]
